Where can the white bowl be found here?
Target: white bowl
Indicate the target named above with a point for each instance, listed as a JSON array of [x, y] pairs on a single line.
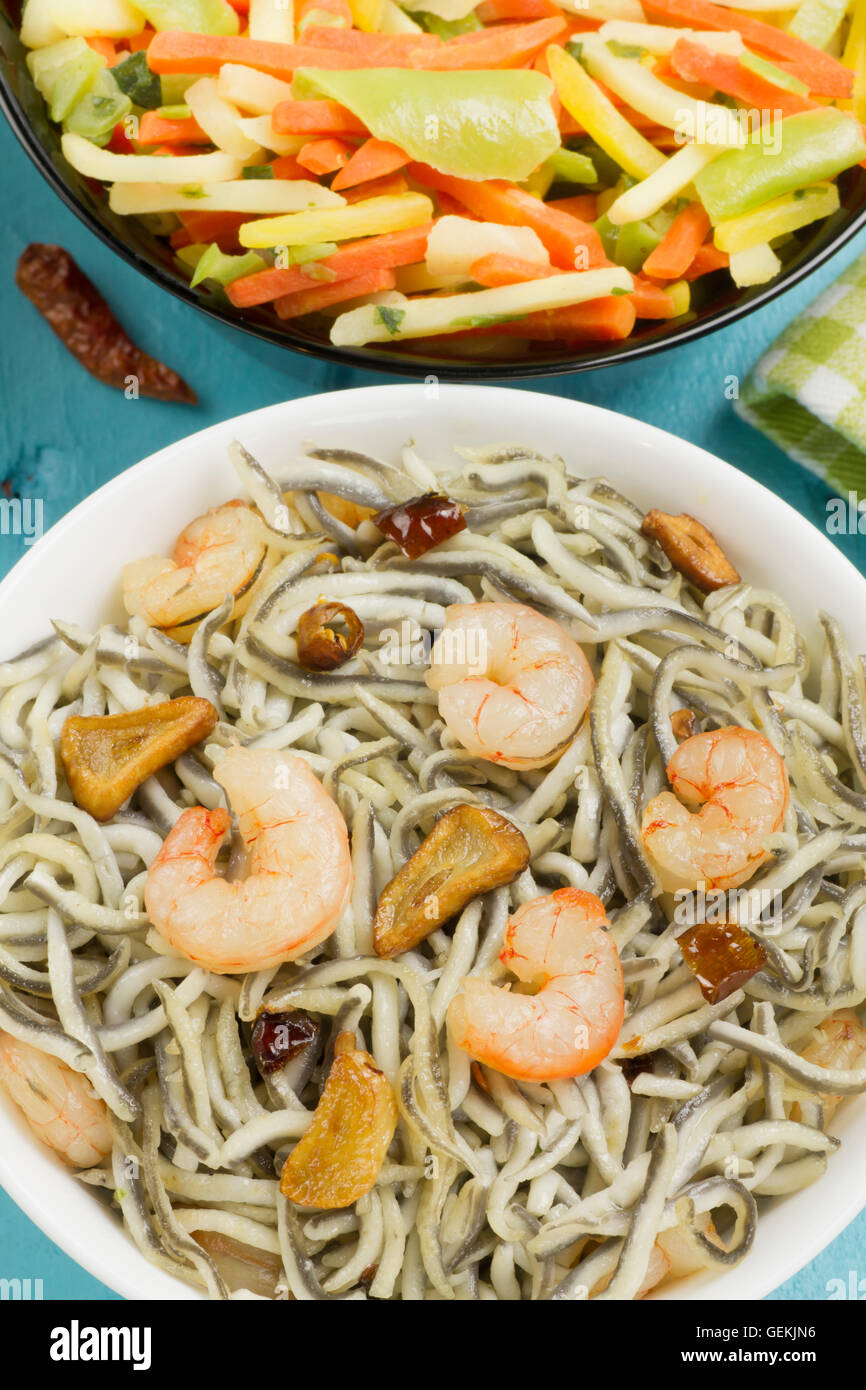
[[73, 573]]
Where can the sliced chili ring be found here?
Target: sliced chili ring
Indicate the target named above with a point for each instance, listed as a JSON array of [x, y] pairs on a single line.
[[321, 646]]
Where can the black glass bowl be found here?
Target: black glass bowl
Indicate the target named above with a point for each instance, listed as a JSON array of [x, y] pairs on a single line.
[[716, 302]]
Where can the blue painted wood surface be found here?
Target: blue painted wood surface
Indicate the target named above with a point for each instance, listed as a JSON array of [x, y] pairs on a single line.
[[63, 434]]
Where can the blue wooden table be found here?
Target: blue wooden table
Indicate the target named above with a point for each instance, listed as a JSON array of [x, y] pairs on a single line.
[[63, 435]]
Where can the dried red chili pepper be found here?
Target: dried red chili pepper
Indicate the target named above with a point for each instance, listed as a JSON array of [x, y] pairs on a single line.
[[320, 646], [722, 956], [73, 306], [277, 1038], [633, 1067], [416, 526]]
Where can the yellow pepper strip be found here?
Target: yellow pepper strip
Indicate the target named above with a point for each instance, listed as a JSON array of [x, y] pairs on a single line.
[[856, 33], [610, 130], [777, 218], [854, 56], [366, 14], [680, 294], [369, 218]]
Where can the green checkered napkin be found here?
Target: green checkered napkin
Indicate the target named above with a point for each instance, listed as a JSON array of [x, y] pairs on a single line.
[[808, 393]]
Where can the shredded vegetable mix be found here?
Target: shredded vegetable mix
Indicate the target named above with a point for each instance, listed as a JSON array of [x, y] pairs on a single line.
[[522, 963], [682, 141]]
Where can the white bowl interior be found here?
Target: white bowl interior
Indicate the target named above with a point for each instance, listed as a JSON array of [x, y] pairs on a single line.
[[73, 573]]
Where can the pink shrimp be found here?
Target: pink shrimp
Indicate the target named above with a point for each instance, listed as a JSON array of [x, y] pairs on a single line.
[[219, 553], [300, 868], [559, 944], [513, 685], [59, 1104], [739, 783]]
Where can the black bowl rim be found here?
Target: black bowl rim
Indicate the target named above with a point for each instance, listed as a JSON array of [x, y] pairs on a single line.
[[415, 366]]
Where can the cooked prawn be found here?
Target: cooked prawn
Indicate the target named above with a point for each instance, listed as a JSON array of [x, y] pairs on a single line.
[[59, 1104], [513, 686], [299, 868], [838, 1041], [739, 782], [557, 943], [220, 553]]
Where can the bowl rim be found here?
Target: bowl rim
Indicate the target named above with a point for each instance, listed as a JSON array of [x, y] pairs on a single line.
[[371, 359], [395, 405]]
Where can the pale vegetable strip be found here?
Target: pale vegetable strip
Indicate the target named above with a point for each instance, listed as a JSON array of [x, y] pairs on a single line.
[[261, 196], [140, 168], [660, 187], [817, 21], [260, 130], [701, 121], [755, 265], [660, 38], [218, 118], [455, 242], [393, 19], [450, 314], [252, 90], [272, 20]]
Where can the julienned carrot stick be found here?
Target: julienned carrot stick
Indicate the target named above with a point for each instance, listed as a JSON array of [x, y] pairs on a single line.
[[315, 118], [650, 301], [609, 319], [136, 43], [324, 156], [727, 74], [494, 11], [450, 207], [503, 46], [221, 227], [372, 160], [387, 251], [583, 206], [285, 166], [824, 75], [104, 47], [175, 51], [679, 245], [497, 269], [388, 50], [388, 187], [707, 259], [309, 301], [570, 243], [154, 129]]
